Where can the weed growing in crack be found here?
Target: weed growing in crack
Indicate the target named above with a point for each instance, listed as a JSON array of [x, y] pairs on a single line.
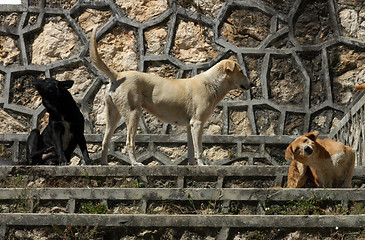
[[92, 208], [24, 204]]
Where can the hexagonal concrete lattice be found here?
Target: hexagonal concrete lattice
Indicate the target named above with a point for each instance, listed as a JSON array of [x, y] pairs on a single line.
[[312, 62], [303, 59]]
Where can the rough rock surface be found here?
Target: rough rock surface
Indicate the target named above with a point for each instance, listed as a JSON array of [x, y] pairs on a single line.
[[246, 28], [8, 50], [156, 40], [92, 17], [209, 8], [81, 76], [348, 69], [142, 10], [313, 25], [118, 49], [14, 127], [55, 42], [352, 18], [286, 83], [192, 43]]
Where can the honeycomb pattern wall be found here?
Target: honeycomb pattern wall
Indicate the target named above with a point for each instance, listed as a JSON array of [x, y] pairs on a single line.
[[300, 56]]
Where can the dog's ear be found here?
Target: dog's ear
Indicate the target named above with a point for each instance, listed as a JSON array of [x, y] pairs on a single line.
[[289, 155], [229, 66], [312, 135], [66, 84]]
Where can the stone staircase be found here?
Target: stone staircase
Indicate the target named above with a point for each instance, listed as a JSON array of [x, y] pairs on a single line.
[[154, 202]]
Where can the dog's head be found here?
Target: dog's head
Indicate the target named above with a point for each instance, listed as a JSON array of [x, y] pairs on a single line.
[[235, 74], [302, 148], [52, 90]]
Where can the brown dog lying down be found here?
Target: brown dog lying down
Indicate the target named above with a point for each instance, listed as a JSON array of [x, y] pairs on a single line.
[[360, 87], [319, 162]]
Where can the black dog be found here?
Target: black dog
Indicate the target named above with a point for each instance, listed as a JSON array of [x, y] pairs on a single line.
[[65, 129]]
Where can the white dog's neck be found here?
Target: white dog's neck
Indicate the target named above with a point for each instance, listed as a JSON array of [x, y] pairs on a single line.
[[214, 81], [214, 73]]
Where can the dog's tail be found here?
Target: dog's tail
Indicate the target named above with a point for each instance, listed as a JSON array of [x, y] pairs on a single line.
[[96, 59], [360, 87]]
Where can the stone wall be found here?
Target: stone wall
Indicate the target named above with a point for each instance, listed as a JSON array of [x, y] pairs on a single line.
[[303, 59]]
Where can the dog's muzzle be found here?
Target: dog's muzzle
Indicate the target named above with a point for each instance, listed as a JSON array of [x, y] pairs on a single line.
[[308, 150], [246, 88]]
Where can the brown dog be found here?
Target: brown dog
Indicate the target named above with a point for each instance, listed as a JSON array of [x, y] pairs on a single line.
[[322, 162], [360, 87]]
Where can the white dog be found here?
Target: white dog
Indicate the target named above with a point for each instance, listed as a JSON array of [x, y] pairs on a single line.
[[187, 102]]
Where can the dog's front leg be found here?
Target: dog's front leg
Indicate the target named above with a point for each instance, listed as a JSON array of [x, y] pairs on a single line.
[[196, 127]]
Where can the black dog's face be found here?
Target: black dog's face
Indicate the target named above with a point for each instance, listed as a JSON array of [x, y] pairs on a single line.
[[50, 89]]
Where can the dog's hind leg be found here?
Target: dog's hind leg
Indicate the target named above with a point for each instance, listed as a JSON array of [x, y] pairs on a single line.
[[82, 144], [350, 171], [132, 120], [33, 147], [113, 118]]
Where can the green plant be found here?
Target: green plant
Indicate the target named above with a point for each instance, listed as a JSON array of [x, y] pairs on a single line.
[[92, 208], [24, 204], [255, 235], [303, 206], [86, 174], [18, 178], [205, 208], [358, 208], [231, 154], [138, 184]]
